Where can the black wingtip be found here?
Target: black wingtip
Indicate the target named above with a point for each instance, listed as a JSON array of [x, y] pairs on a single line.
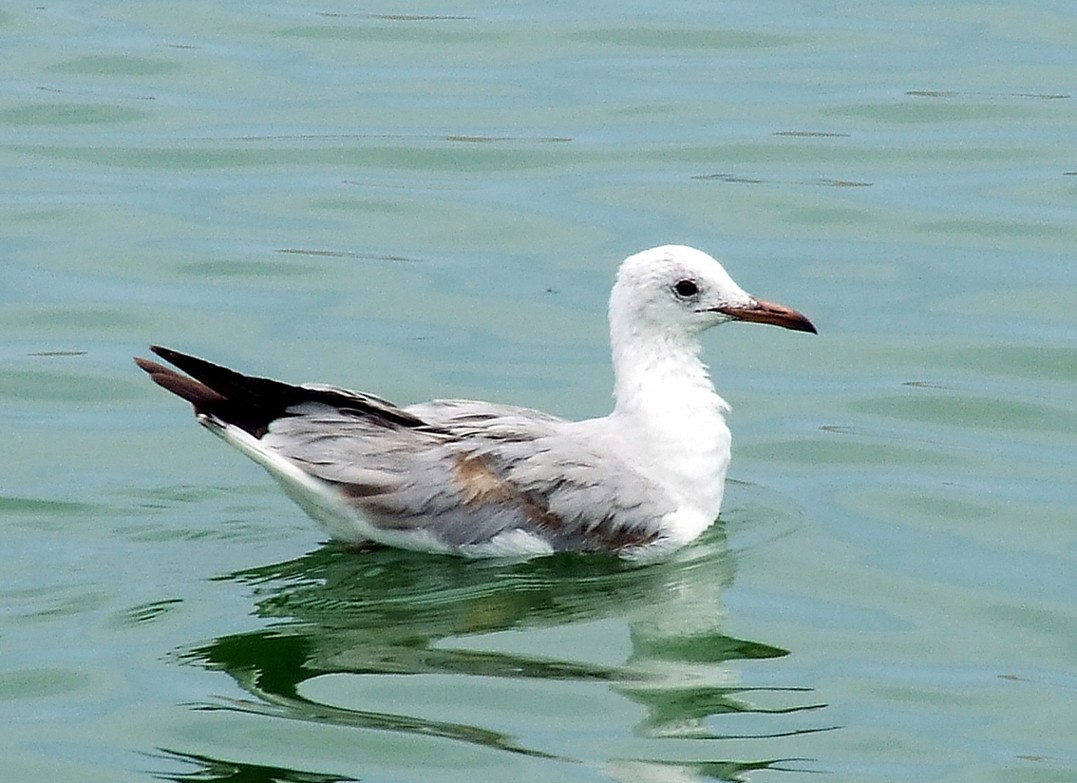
[[252, 402], [168, 354], [160, 350]]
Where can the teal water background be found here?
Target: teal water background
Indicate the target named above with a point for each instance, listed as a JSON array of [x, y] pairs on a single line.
[[431, 200]]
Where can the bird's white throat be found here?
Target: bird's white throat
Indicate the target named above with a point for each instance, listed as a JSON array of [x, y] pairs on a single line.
[[666, 404]]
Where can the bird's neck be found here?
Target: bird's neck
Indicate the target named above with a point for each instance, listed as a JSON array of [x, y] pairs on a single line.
[[666, 405], [662, 376]]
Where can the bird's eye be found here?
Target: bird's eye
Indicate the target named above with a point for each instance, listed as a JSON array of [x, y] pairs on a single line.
[[686, 288]]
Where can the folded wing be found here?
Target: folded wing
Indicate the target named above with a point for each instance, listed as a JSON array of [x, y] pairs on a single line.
[[449, 475]]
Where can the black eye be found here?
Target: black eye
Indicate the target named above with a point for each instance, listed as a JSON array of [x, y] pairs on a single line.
[[686, 288]]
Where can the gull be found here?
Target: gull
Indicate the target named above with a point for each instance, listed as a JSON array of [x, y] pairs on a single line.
[[480, 479]]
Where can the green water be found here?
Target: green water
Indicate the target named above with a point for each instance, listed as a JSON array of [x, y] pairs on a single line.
[[431, 201]]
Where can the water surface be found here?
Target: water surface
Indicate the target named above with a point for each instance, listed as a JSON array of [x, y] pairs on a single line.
[[431, 201]]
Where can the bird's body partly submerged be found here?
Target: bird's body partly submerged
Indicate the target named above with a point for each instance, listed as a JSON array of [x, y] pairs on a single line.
[[486, 480]]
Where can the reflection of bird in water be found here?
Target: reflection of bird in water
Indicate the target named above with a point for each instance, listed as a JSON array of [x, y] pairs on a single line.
[[355, 632], [480, 479]]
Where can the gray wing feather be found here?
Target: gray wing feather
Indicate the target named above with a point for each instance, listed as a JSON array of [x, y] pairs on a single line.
[[477, 471]]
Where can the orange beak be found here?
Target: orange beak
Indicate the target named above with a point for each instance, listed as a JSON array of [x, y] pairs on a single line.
[[770, 313]]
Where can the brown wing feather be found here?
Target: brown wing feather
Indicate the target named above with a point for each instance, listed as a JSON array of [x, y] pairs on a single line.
[[196, 393]]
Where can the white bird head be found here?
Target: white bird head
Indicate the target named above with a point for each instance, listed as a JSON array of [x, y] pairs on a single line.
[[675, 290]]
